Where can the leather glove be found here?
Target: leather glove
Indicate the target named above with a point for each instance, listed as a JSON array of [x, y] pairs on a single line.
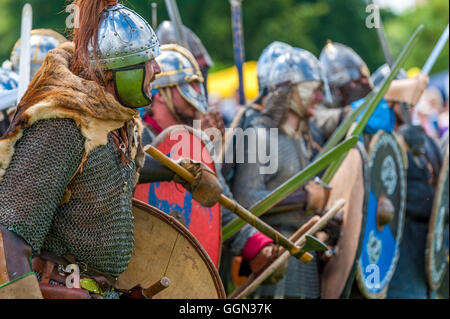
[[318, 194], [408, 90], [205, 188]]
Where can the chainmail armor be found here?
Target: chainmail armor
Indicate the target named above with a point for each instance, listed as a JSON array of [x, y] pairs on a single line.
[[96, 225], [250, 186]]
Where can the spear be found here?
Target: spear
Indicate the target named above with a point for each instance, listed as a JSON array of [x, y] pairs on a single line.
[[175, 17], [254, 281], [436, 51], [375, 100], [390, 61], [345, 126], [238, 41], [371, 102], [154, 15], [237, 209], [25, 50], [291, 185]]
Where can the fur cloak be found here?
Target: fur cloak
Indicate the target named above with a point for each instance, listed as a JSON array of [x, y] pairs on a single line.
[[56, 92]]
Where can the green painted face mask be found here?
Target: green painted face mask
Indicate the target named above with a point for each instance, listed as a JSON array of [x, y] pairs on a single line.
[[129, 86]]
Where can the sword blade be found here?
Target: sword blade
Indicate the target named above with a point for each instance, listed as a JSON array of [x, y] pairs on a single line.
[[155, 15], [291, 185], [238, 43], [390, 61], [25, 50], [375, 100], [436, 52], [174, 14]]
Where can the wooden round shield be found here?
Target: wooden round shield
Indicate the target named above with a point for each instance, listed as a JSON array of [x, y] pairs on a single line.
[[164, 248], [204, 223], [349, 183], [437, 241], [382, 234]]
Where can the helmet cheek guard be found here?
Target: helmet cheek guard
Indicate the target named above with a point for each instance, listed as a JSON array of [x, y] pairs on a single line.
[[129, 86]]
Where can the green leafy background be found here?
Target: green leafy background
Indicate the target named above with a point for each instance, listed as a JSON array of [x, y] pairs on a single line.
[[303, 23]]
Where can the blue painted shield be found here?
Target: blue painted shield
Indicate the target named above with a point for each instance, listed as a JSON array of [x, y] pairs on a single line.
[[203, 222], [381, 243]]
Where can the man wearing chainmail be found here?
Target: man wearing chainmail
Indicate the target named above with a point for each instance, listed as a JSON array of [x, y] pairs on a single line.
[[350, 83], [295, 86], [70, 159], [180, 100]]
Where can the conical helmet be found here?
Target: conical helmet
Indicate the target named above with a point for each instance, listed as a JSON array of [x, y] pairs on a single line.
[[342, 65]]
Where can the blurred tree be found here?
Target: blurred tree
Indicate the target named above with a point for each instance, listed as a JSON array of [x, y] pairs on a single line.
[[302, 23], [434, 14]]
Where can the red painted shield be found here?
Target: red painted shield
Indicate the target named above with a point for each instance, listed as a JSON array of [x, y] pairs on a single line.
[[204, 223]]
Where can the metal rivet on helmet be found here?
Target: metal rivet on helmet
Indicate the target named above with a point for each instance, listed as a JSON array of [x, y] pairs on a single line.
[[115, 35]]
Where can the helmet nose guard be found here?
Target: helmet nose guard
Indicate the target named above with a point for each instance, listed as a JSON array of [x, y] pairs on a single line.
[[179, 68], [125, 42]]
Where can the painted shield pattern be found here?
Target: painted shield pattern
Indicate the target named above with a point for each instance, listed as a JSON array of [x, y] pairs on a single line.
[[163, 247], [384, 227], [438, 241], [172, 198]]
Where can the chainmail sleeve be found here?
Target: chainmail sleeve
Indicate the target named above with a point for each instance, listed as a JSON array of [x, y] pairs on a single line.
[[44, 160]]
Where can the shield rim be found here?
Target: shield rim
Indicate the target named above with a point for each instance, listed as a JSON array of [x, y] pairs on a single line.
[[171, 221], [382, 294], [346, 291], [353, 272], [443, 175], [209, 146]]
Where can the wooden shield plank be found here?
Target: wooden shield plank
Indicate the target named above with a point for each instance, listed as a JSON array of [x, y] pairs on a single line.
[[203, 222], [349, 183], [438, 233], [164, 248]]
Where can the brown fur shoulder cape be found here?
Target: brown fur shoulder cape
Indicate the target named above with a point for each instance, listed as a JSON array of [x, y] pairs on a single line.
[[55, 92]]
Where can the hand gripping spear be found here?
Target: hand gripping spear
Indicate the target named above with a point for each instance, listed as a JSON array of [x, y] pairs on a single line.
[[237, 209], [325, 157], [301, 238], [374, 100]]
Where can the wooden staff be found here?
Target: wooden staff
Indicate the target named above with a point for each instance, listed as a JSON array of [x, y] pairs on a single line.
[[252, 283], [234, 207]]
